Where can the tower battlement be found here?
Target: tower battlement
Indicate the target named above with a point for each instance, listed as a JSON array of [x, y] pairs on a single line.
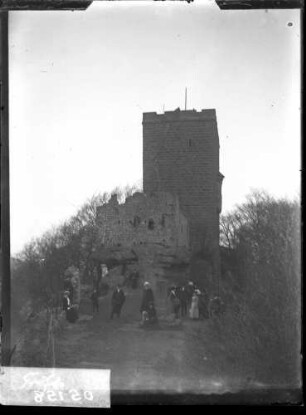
[[193, 115]]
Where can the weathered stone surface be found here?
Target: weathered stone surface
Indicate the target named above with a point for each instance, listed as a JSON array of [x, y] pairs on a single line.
[[146, 233], [143, 221], [181, 157], [114, 256]]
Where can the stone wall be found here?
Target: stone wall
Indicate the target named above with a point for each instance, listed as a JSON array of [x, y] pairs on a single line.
[[154, 228], [143, 220]]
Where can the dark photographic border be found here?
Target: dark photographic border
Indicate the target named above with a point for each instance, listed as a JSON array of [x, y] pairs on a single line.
[[293, 398]]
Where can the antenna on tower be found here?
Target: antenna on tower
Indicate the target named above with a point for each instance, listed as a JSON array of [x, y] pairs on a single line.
[[185, 99]]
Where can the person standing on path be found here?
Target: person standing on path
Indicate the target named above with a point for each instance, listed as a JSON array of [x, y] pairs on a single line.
[[175, 302], [194, 309], [147, 300], [118, 299]]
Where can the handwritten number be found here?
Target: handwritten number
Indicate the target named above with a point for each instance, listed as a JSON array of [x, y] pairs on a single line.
[[75, 395], [51, 396], [38, 396], [88, 395]]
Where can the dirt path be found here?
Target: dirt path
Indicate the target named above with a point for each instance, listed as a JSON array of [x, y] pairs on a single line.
[[168, 358]]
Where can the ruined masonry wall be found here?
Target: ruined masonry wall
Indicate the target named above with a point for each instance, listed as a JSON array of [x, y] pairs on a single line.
[[143, 220]]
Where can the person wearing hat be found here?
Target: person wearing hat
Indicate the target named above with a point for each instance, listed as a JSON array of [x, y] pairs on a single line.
[[147, 299], [118, 299]]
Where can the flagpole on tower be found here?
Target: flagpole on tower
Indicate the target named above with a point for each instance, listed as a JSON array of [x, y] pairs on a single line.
[[185, 99]]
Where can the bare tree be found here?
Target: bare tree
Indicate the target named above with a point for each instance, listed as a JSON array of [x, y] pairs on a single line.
[[263, 237]]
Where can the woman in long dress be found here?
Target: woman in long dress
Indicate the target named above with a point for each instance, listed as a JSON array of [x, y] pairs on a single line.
[[147, 308], [194, 309]]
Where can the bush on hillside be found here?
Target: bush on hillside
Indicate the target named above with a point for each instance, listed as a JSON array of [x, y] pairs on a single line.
[[264, 318]]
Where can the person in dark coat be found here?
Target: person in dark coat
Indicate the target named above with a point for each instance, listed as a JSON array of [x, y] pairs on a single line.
[[95, 301], [118, 299], [72, 314], [147, 298], [147, 308], [175, 302]]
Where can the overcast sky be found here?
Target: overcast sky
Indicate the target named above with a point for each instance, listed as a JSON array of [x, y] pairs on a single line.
[[80, 81]]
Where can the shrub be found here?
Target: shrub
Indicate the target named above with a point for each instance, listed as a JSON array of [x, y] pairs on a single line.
[[263, 237]]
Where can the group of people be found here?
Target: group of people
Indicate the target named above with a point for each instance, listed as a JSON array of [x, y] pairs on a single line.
[[189, 300], [117, 301], [147, 308], [186, 301]]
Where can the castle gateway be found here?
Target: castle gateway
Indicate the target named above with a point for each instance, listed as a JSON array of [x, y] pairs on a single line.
[[181, 157]]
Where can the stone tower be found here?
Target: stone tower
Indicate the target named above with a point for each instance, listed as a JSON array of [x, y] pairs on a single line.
[[181, 156]]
